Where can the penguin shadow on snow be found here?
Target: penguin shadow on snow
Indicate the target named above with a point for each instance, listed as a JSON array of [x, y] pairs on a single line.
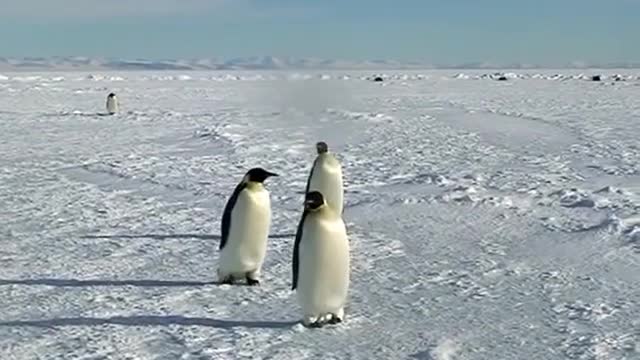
[[151, 320], [78, 114], [141, 320], [175, 236], [138, 283], [97, 282]]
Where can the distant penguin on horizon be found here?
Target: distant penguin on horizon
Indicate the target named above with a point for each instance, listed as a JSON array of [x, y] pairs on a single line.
[[245, 229], [321, 263], [326, 177], [112, 104]]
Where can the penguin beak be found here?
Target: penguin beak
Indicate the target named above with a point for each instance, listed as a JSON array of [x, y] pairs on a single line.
[[272, 174]]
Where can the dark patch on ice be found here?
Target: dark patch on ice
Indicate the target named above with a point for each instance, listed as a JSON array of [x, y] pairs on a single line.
[[588, 203], [422, 355], [173, 236], [77, 114], [151, 320], [85, 283]]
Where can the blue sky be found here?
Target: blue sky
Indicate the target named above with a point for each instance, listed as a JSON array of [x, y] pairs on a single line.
[[436, 31]]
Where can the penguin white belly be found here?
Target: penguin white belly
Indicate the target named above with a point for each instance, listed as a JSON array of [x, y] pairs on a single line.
[[247, 243], [327, 179], [323, 280], [112, 105]]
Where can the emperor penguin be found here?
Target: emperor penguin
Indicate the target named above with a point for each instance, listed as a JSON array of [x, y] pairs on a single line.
[[245, 228], [321, 266], [112, 104], [326, 177]]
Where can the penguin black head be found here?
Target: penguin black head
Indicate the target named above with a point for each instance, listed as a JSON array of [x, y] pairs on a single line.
[[258, 175], [322, 147], [313, 201], [111, 95]]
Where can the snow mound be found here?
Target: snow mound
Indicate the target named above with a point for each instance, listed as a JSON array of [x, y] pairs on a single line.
[[355, 115], [575, 198]]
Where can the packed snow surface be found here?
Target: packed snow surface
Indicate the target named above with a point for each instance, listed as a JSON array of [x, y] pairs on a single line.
[[488, 219]]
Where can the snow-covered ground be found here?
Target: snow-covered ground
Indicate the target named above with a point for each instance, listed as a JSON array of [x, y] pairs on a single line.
[[488, 219]]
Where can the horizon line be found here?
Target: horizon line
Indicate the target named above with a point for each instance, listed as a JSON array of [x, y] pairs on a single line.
[[269, 62]]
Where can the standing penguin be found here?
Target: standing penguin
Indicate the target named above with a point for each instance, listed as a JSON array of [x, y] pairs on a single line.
[[326, 177], [321, 263], [245, 228], [112, 104]]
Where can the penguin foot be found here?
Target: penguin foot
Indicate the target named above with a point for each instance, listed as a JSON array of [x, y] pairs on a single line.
[[320, 321], [252, 277], [316, 325], [227, 280], [325, 318], [312, 322]]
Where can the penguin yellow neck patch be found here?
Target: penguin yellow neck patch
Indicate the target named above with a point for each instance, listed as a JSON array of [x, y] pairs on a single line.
[[254, 185]]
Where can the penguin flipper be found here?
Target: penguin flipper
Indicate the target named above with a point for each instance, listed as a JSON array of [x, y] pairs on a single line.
[[226, 215], [296, 251]]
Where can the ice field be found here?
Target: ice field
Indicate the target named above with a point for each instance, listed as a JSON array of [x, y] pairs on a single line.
[[488, 219]]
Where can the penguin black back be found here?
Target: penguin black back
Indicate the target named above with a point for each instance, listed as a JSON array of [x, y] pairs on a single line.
[[226, 215], [295, 263]]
